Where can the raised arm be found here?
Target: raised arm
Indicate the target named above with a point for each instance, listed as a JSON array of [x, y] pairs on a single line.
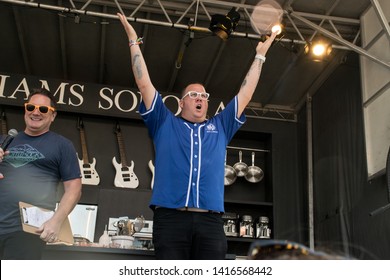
[[50, 230], [138, 64], [252, 77]]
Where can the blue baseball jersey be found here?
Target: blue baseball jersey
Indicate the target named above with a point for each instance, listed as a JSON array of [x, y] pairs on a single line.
[[190, 157]]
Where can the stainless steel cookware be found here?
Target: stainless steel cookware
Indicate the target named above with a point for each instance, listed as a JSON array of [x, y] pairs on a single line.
[[127, 227], [240, 167], [254, 174], [230, 174]]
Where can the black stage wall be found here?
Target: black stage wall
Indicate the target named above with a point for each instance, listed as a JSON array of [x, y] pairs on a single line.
[[343, 196]]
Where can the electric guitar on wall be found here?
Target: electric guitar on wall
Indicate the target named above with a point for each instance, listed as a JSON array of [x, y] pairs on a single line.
[[88, 171], [125, 176], [4, 131], [3, 124]]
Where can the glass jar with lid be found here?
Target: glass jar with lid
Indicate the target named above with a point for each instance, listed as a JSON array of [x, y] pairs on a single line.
[[262, 228], [246, 226]]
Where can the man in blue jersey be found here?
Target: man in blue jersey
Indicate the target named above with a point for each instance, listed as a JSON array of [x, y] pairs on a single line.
[[188, 191], [31, 169]]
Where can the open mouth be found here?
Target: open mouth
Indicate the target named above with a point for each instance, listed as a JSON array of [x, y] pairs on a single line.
[[198, 106]]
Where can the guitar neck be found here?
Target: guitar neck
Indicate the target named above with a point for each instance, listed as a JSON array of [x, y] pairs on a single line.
[[122, 151], [84, 146], [3, 124]]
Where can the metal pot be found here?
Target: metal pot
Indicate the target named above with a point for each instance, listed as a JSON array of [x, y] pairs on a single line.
[[255, 174], [240, 167], [230, 174], [139, 223], [151, 167]]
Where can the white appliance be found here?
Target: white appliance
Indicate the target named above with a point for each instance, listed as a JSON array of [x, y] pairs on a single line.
[[83, 221]]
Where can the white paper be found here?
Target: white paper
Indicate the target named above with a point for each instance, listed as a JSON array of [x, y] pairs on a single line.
[[34, 216]]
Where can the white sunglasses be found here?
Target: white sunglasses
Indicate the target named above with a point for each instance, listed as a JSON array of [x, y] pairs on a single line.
[[194, 94]]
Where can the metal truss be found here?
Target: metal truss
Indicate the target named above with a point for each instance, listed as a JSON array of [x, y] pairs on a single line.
[[195, 15], [270, 113]]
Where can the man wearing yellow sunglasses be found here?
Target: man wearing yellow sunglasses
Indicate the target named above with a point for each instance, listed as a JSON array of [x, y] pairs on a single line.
[[32, 167]]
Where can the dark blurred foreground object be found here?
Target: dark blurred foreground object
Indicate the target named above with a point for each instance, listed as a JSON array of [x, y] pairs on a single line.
[[286, 250]]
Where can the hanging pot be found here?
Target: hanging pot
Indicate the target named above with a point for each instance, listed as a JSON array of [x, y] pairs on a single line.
[[240, 167], [255, 174], [151, 167], [230, 174]]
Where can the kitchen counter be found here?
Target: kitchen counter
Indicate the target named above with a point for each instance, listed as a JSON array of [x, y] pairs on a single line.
[[63, 252]]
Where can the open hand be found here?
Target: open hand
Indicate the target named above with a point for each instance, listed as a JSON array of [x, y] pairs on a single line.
[[262, 47], [131, 34]]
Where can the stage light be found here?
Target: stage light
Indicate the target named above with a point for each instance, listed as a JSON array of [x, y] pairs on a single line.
[[277, 28], [223, 26], [319, 49]]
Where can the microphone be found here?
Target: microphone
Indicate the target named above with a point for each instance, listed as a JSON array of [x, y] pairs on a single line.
[[11, 135]]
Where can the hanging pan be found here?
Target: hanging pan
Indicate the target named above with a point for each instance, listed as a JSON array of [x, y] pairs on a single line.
[[240, 167], [255, 174], [230, 174]]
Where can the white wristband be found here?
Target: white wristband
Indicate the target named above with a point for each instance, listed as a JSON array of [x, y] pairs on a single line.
[[260, 57]]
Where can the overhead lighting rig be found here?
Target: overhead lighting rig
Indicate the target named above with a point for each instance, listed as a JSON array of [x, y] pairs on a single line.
[[319, 49], [224, 25]]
